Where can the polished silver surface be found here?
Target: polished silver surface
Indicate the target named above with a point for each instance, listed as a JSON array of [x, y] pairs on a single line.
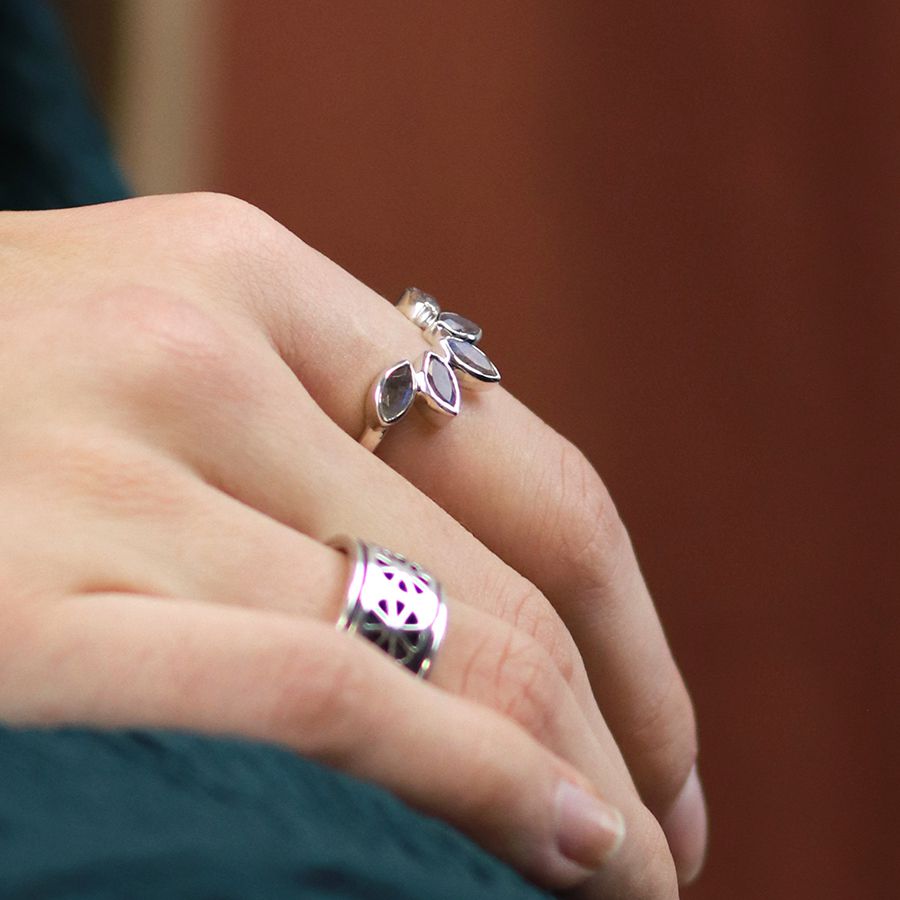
[[458, 326], [453, 362], [394, 603], [420, 308]]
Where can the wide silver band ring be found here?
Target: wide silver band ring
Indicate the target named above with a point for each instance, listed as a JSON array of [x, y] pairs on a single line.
[[394, 603], [453, 361]]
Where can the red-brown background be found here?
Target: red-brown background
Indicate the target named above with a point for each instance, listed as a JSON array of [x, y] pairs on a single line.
[[678, 223]]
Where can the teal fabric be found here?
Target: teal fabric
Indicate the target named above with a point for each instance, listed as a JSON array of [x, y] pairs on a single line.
[[53, 149], [140, 814]]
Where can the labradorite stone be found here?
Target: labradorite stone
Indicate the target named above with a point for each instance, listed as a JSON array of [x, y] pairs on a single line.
[[459, 326], [473, 360], [441, 379], [397, 393]]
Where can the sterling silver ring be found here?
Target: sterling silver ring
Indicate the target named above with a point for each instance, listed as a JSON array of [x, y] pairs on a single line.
[[394, 603], [453, 361]]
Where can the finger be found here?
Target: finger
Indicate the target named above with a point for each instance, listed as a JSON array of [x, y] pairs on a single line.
[[126, 660]]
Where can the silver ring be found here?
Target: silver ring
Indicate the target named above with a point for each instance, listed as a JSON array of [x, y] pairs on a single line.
[[394, 603], [453, 361]]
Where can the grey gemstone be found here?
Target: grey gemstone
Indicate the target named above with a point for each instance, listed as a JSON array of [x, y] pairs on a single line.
[[459, 326], [472, 360], [442, 380], [397, 393]]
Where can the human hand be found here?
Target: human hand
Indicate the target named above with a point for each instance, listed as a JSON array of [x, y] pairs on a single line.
[[184, 391]]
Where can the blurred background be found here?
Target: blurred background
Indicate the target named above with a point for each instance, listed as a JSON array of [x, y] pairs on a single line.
[[679, 225]]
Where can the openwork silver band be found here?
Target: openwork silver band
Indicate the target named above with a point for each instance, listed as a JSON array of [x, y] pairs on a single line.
[[394, 603], [453, 361]]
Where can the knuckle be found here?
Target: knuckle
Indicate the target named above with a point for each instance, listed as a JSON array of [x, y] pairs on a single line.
[[230, 234], [154, 341], [512, 673], [523, 606], [213, 218], [244, 250], [580, 521], [200, 224], [588, 522], [257, 268], [213, 204]]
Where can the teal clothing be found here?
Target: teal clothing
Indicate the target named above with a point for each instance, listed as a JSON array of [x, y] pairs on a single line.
[[128, 815], [53, 151], [142, 815]]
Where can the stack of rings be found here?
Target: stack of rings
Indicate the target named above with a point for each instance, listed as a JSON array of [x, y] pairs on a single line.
[[394, 603], [454, 360]]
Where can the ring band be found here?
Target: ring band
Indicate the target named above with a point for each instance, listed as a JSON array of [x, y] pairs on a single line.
[[394, 603], [453, 361]]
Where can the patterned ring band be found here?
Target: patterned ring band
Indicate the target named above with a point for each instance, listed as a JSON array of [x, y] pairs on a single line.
[[394, 603], [454, 360]]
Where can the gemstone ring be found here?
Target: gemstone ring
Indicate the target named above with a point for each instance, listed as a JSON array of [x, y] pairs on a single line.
[[454, 360]]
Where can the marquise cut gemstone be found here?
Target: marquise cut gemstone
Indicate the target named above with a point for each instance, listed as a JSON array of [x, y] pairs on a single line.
[[459, 326], [473, 360], [442, 381], [397, 393]]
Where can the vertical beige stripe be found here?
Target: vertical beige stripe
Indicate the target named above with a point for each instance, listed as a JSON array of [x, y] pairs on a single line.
[[164, 110]]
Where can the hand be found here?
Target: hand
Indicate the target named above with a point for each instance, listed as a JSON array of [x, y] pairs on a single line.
[[184, 389]]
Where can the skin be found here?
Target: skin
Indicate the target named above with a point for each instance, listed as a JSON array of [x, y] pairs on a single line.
[[183, 397]]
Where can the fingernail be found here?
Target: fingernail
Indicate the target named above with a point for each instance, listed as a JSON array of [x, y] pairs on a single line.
[[588, 831], [685, 827]]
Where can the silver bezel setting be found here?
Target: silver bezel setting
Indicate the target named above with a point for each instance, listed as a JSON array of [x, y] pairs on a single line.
[[440, 330], [445, 325], [420, 308]]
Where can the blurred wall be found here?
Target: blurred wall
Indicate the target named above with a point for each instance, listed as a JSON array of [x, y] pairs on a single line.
[[678, 224]]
